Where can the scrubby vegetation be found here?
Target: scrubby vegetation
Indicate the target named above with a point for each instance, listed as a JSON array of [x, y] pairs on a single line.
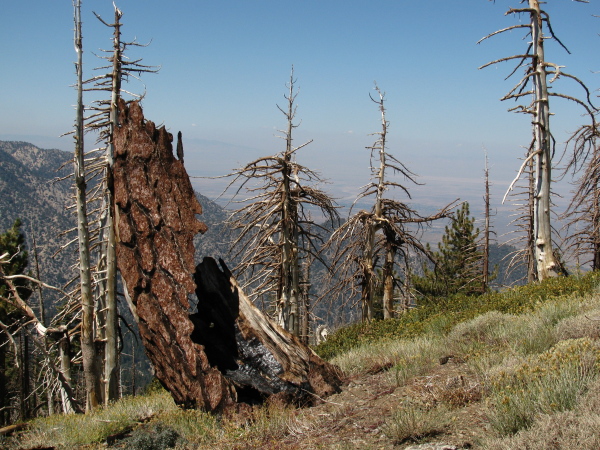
[[441, 315], [517, 369]]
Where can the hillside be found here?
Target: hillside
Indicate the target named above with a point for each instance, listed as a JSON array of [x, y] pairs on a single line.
[[523, 374], [29, 190]]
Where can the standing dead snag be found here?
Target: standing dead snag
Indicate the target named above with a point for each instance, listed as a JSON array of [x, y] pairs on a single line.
[[89, 352], [534, 84], [380, 234], [213, 358], [275, 224], [103, 120], [156, 209]]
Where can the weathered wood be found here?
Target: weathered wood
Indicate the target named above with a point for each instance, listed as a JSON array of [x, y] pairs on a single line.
[[256, 354], [155, 209], [7, 431], [226, 352]]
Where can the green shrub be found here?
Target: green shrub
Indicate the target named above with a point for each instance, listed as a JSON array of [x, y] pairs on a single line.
[[542, 384], [157, 437], [443, 313]]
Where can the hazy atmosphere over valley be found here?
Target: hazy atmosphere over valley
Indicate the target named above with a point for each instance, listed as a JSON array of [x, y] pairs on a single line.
[[300, 224], [224, 66]]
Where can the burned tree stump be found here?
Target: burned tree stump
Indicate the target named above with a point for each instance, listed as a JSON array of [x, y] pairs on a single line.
[[228, 350], [155, 211], [256, 354]]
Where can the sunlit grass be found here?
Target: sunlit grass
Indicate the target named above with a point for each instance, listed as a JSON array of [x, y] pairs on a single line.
[[413, 422], [532, 355], [77, 429]]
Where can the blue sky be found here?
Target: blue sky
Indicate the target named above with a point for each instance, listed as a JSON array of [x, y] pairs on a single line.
[[224, 66]]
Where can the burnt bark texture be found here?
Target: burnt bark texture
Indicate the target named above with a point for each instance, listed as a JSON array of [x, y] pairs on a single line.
[[226, 352], [156, 211], [256, 354]]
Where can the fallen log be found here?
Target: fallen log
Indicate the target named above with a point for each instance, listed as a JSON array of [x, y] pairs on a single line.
[[10, 429], [228, 351]]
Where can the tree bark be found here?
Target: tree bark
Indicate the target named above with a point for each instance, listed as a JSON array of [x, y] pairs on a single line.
[[228, 351], [111, 356], [88, 350], [388, 281]]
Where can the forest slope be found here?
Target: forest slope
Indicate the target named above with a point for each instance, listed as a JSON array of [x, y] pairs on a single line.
[[529, 378]]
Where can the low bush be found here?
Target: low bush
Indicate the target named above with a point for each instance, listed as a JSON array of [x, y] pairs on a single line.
[[542, 384], [413, 422], [443, 313]]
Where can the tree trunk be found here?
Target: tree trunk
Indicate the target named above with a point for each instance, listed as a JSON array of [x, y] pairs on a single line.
[[111, 358], [486, 232], [64, 352], [88, 350], [367, 273], [305, 296], [24, 375], [388, 282], [544, 256], [226, 352], [259, 357]]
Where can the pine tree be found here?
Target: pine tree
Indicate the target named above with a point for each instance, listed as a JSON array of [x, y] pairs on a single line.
[[457, 261], [15, 260]]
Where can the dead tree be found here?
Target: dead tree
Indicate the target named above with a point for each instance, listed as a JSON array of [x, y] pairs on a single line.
[[534, 85], [226, 352], [522, 234], [583, 213], [275, 229], [487, 231], [60, 373], [104, 120], [91, 370], [384, 233]]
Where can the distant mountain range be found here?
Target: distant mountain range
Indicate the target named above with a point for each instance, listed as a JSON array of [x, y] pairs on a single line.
[[36, 187], [30, 190]]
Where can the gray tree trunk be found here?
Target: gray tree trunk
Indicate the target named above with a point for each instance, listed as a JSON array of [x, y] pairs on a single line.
[[544, 256], [90, 369]]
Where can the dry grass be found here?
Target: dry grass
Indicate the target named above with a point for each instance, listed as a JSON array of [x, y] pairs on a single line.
[[517, 381], [575, 429], [413, 422], [69, 431], [405, 357]]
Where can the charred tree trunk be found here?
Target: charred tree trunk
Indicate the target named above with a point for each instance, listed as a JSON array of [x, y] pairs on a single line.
[[226, 352], [257, 355]]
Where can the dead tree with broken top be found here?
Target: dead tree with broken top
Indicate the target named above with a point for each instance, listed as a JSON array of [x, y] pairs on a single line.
[[274, 224], [534, 84], [226, 353], [91, 371], [382, 234]]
